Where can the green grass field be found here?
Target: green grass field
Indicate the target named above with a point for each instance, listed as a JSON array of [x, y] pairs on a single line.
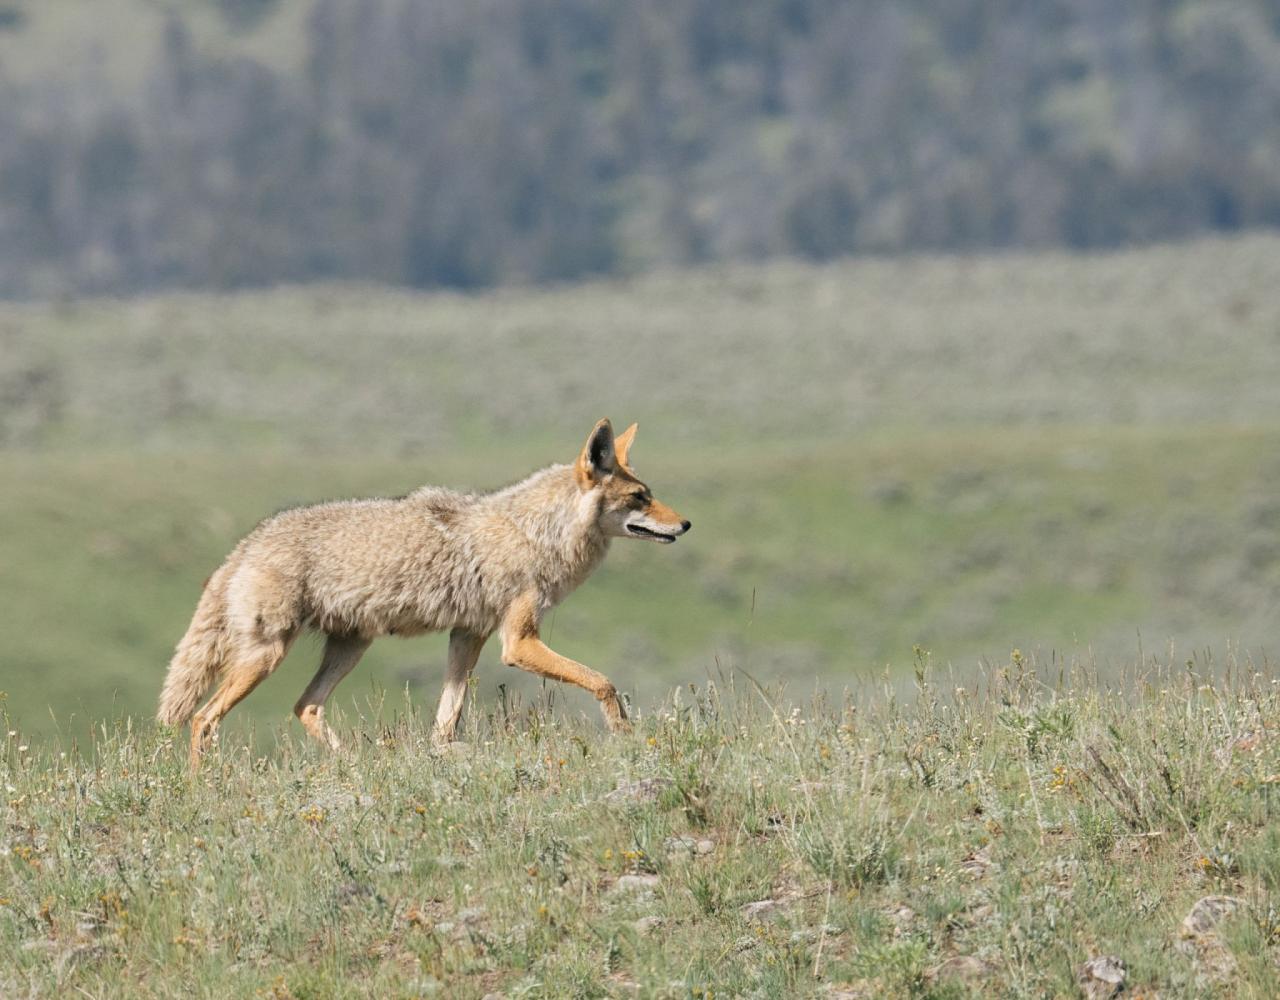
[[1076, 455], [898, 472], [968, 547], [986, 840]]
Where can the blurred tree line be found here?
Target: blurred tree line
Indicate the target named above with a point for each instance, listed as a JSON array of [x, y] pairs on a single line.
[[472, 142]]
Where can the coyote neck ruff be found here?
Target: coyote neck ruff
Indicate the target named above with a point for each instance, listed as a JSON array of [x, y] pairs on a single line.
[[435, 560], [559, 522]]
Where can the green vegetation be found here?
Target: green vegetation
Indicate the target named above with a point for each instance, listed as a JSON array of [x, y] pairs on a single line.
[[793, 572], [961, 841], [1070, 454]]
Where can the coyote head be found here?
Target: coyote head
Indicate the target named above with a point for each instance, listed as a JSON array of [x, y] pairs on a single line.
[[627, 507]]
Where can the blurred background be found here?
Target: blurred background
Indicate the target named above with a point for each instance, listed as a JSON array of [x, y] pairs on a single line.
[[948, 325]]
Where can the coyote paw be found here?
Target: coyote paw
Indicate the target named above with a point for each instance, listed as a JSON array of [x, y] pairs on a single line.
[[620, 726]]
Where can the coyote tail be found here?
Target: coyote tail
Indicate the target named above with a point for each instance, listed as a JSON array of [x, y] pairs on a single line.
[[199, 656]]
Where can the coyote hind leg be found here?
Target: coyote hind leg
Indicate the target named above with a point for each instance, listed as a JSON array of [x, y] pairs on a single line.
[[341, 654], [244, 674]]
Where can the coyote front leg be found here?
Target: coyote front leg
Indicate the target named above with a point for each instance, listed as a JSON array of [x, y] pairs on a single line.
[[464, 650], [521, 647]]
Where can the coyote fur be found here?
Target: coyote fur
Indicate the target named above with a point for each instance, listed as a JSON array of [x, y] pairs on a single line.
[[473, 564]]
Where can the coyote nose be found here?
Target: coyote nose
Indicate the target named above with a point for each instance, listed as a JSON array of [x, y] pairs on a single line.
[[686, 525]]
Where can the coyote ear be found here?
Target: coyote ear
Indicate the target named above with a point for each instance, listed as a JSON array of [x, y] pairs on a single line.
[[598, 458], [622, 445]]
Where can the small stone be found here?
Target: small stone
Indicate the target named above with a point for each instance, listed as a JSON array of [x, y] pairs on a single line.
[[1200, 939], [762, 909], [902, 917], [636, 883], [980, 913], [680, 845], [977, 863], [1208, 912], [966, 968], [644, 790], [1101, 978], [687, 845]]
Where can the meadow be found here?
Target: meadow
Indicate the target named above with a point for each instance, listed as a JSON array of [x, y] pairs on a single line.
[[1041, 832], [1075, 455], [959, 682]]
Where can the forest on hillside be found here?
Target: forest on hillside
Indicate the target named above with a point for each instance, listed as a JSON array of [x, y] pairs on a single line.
[[467, 144]]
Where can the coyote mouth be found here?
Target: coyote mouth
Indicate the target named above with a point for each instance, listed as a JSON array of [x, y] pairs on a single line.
[[657, 536]]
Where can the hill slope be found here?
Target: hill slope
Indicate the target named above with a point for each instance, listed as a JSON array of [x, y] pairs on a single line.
[[964, 842]]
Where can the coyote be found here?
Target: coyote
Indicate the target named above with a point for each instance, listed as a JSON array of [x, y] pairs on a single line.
[[433, 560]]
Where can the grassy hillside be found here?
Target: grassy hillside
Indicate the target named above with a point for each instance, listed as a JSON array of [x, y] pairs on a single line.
[[978, 841], [1053, 452], [1176, 335]]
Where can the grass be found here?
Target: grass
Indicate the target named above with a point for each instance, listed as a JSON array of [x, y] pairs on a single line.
[[1044, 539], [725, 357], [1071, 455], [1054, 452], [973, 840]]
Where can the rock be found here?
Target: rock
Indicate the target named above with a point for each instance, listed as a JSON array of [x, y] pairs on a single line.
[[1200, 938], [636, 883], [808, 935], [644, 790], [902, 917], [978, 863], [1102, 977], [689, 845], [979, 914], [1208, 912], [679, 845], [763, 909], [966, 968]]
